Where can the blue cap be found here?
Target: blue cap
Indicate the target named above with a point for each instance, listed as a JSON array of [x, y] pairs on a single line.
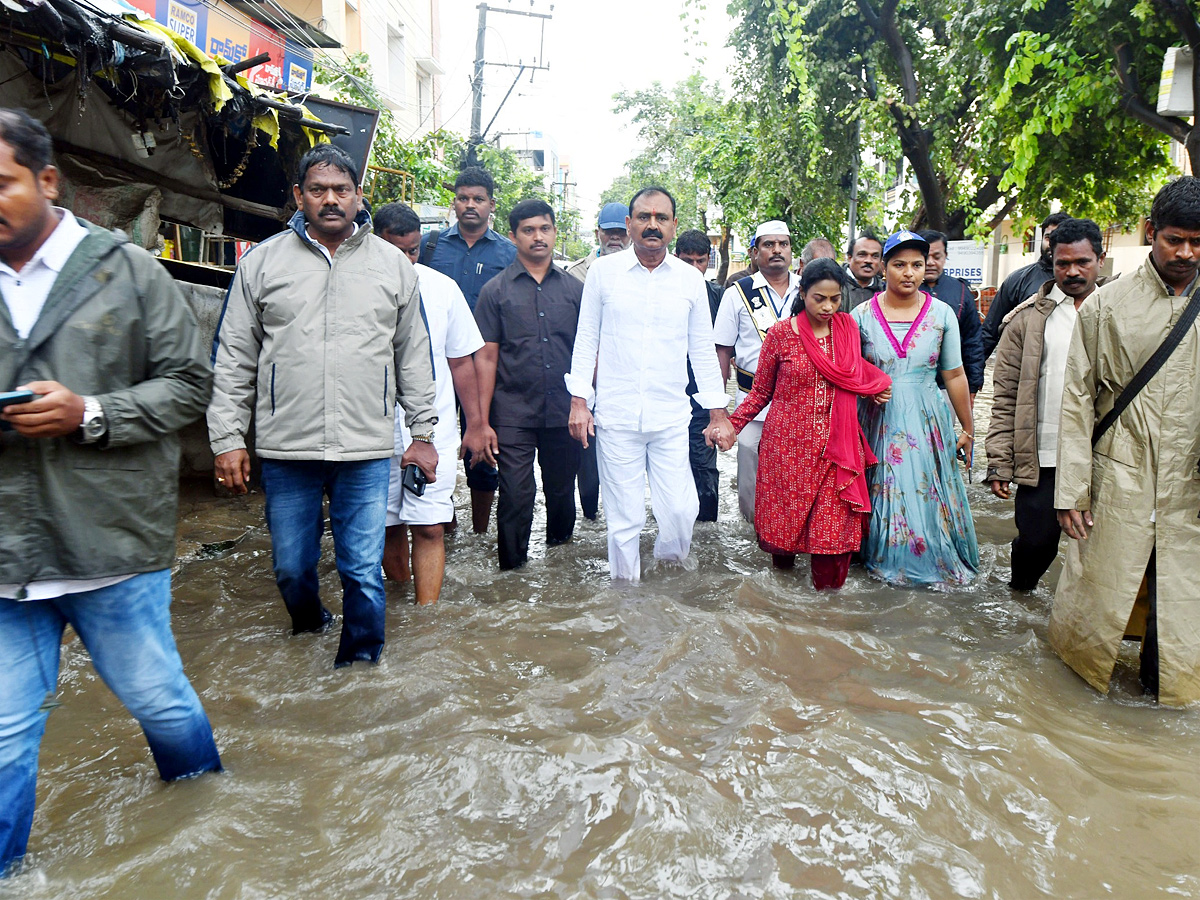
[[902, 240], [613, 216]]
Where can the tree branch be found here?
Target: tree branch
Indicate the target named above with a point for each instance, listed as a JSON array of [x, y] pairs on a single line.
[[1181, 17], [868, 13], [1002, 214], [1131, 99]]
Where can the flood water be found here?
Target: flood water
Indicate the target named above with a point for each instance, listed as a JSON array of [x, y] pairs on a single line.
[[713, 732]]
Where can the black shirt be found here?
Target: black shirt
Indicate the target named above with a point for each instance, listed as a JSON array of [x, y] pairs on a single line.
[[1016, 289], [715, 293], [534, 324], [956, 294]]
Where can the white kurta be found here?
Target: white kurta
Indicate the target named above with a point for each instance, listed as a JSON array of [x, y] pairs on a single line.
[[637, 329]]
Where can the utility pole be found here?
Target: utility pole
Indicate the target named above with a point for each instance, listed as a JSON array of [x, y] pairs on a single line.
[[854, 181], [478, 135], [477, 88]]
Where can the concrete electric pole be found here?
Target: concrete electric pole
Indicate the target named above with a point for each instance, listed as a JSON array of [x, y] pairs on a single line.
[[477, 134]]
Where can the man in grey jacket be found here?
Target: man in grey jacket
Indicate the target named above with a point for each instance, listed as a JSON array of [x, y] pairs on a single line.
[[96, 330], [322, 332]]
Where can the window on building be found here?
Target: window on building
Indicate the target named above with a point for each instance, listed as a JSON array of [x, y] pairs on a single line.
[[396, 64], [424, 97]]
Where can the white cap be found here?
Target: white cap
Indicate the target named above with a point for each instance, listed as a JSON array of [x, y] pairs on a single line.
[[772, 227]]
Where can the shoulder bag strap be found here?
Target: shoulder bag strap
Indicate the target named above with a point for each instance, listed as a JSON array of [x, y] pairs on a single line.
[[1152, 365], [430, 246]]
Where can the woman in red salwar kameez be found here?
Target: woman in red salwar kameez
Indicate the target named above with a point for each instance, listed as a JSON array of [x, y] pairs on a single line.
[[811, 495]]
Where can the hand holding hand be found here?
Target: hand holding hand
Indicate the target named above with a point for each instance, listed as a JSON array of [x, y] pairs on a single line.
[[580, 423], [57, 412], [1000, 488], [720, 431], [425, 456], [882, 397]]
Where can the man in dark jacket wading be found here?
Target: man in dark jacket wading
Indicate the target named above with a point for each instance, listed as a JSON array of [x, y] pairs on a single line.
[[97, 331]]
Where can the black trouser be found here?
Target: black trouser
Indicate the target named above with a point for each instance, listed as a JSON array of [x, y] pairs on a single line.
[[589, 480], [558, 455], [1148, 673], [1038, 531], [704, 469]]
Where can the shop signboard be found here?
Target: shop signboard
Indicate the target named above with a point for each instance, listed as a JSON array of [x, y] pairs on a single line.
[[228, 34], [297, 67], [187, 18], [964, 260]]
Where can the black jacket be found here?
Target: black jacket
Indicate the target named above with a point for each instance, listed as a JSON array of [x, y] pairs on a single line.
[[1016, 289]]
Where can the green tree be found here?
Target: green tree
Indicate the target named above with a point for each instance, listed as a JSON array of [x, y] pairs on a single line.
[[702, 148], [924, 81], [424, 159], [515, 182], [1080, 86]]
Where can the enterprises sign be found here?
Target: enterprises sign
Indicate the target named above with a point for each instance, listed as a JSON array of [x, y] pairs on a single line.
[[964, 259]]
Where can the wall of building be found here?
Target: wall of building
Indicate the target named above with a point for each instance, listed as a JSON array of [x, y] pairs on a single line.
[[401, 39]]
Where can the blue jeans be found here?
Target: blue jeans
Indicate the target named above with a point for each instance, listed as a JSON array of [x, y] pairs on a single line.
[[127, 630], [357, 494]]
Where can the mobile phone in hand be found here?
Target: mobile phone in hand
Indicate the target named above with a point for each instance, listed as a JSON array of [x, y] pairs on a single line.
[[414, 479], [9, 398]]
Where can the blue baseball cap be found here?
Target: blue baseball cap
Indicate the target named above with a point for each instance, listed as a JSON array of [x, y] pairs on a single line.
[[903, 240], [613, 215]]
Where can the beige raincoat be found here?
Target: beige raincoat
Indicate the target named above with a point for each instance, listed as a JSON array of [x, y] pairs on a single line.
[[1141, 484]]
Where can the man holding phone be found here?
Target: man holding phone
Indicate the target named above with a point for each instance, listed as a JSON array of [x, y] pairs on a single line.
[[414, 508], [108, 364]]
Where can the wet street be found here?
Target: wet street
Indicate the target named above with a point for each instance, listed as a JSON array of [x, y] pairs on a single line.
[[713, 732]]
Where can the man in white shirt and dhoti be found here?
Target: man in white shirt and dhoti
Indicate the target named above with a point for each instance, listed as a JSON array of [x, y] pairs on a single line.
[[749, 307], [643, 314]]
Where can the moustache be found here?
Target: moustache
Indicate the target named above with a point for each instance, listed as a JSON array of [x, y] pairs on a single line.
[[652, 232], [332, 211]]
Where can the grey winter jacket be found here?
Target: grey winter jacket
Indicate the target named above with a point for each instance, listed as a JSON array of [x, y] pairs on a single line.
[[115, 327], [321, 352]]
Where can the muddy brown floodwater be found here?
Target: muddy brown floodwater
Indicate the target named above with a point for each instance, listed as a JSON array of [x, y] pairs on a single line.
[[713, 732]]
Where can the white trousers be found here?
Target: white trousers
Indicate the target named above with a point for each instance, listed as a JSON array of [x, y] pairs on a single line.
[[625, 460], [747, 462]]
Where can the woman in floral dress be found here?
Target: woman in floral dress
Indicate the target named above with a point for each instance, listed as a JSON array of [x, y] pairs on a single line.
[[811, 495], [920, 528]]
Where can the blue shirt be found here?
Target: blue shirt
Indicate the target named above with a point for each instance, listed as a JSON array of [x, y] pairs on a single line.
[[470, 267]]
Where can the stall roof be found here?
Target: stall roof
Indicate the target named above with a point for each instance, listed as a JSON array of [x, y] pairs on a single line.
[[133, 105]]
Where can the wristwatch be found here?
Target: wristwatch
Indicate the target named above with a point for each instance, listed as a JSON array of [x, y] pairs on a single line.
[[94, 424], [426, 438]]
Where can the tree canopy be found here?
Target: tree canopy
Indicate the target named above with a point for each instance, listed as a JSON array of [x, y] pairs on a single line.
[[992, 108], [433, 160]]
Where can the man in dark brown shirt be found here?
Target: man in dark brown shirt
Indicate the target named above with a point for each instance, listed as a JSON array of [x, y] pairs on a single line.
[[527, 315]]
